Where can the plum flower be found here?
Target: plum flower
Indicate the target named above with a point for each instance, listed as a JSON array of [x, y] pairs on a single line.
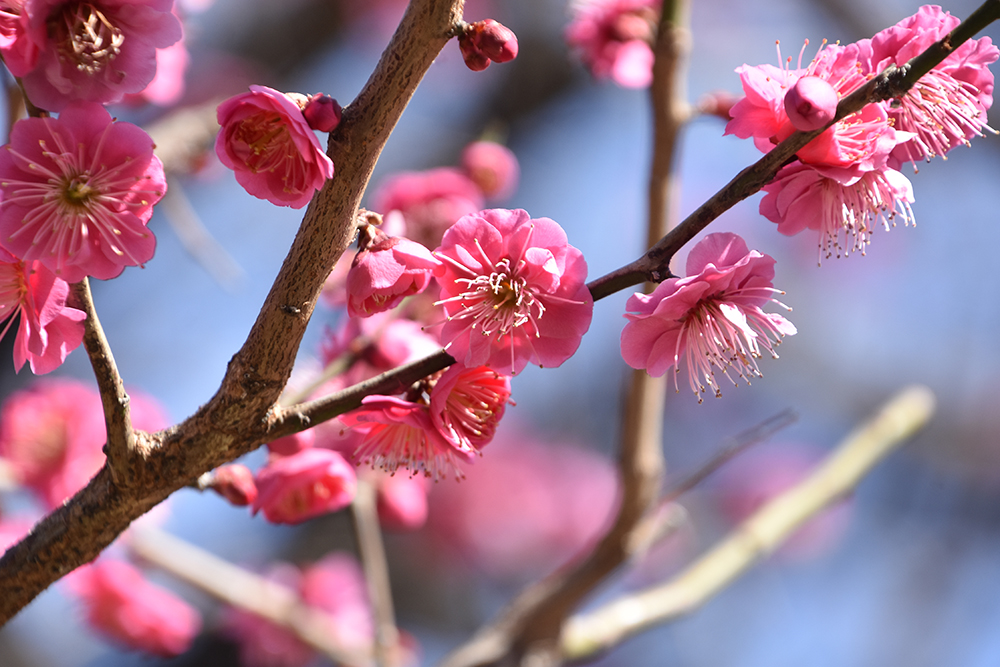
[[400, 434], [307, 484], [95, 51], [266, 140], [711, 319], [466, 405], [513, 291], [49, 330], [385, 271], [613, 39], [493, 167], [430, 201], [948, 105], [802, 198], [78, 192]]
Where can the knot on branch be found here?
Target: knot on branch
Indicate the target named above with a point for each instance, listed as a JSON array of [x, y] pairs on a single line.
[[893, 83]]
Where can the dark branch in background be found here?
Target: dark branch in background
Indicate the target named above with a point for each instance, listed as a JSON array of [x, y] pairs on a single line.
[[117, 417], [240, 416], [892, 83]]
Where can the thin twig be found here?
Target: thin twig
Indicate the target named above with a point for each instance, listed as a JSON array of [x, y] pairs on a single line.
[[364, 513], [596, 631], [242, 589], [117, 418]]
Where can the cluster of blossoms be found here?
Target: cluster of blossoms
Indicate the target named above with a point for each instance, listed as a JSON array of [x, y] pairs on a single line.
[[848, 179]]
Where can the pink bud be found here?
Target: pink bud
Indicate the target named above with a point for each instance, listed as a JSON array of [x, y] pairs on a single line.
[[474, 59], [495, 40], [811, 103], [292, 444], [322, 113], [235, 484]]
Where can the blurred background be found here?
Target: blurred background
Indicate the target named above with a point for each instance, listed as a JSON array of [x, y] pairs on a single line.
[[906, 572]]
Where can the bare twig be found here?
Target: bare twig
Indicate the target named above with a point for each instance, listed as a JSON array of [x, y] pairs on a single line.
[[242, 589], [759, 535], [117, 418], [366, 527]]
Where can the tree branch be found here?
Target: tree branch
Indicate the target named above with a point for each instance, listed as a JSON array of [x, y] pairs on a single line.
[[242, 413], [597, 631]]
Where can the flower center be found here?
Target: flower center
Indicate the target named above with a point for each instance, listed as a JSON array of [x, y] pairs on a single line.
[[86, 37], [78, 192], [500, 302]]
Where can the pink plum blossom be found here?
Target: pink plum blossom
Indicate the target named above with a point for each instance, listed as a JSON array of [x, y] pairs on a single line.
[[400, 434], [948, 105], [78, 192], [122, 605], [493, 167], [710, 320], [430, 201], [49, 330], [801, 197], [385, 271], [513, 290], [467, 404], [858, 143], [53, 433], [94, 51], [267, 142], [613, 38], [19, 51], [307, 484]]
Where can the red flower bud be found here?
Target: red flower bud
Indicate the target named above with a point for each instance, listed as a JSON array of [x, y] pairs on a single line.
[[322, 113]]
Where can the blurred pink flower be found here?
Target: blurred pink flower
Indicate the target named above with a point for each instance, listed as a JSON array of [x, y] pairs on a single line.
[[267, 142], [292, 444], [94, 51], [710, 320], [491, 166], [401, 501], [514, 291], [235, 483], [467, 404], [48, 330], [948, 105], [802, 198], [400, 434], [78, 191], [19, 51], [53, 434], [167, 87], [334, 585], [123, 606], [430, 201], [385, 271], [613, 38], [535, 504], [302, 486]]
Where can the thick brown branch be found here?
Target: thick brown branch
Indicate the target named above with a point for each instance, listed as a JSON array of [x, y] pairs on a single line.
[[242, 413], [117, 417]]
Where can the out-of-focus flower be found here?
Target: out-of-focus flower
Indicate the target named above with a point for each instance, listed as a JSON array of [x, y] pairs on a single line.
[[307, 484], [123, 606], [710, 320], [53, 434], [20, 52], [430, 201], [487, 41], [235, 483], [400, 434], [401, 501], [467, 404], [766, 472], [513, 290], [333, 585], [800, 198], [93, 51], [385, 271], [78, 191], [292, 444], [532, 507], [491, 166], [48, 330], [948, 105], [613, 38], [167, 87], [267, 142]]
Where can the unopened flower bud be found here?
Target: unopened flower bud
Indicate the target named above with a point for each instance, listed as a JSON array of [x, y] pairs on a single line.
[[322, 112], [235, 484], [811, 103], [495, 40], [474, 59]]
